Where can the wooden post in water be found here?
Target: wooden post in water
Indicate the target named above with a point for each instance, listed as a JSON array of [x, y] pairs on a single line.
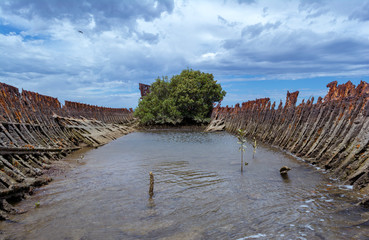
[[151, 189]]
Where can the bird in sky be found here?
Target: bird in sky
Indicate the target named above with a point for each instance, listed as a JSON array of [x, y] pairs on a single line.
[[80, 31]]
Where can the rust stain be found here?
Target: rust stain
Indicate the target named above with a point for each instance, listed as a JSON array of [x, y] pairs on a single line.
[[144, 89]]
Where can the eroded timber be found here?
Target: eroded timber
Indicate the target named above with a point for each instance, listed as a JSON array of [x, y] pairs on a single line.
[[332, 133], [35, 131]]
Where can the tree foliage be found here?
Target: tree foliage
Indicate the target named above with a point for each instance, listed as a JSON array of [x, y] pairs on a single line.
[[187, 98]]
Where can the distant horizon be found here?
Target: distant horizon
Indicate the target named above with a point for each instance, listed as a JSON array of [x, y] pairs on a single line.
[[97, 53]]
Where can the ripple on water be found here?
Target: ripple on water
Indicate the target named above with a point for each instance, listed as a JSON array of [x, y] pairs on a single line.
[[199, 193], [256, 236]]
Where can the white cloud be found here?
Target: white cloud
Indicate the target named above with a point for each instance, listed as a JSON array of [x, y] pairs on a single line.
[[209, 55], [124, 43]]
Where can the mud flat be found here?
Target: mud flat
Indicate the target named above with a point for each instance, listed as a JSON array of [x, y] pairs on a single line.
[[332, 133], [36, 131]]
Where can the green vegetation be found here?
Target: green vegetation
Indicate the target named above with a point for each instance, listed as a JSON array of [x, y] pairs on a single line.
[[241, 136], [186, 99]]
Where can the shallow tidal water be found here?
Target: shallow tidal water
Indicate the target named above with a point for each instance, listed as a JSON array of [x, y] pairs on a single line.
[[199, 193]]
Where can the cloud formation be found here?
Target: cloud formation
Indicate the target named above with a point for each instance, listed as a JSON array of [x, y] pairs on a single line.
[[104, 15], [126, 42]]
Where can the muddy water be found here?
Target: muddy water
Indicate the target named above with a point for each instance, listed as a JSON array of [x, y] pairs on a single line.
[[200, 193]]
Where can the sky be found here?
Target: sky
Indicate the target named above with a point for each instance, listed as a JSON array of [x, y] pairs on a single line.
[[96, 52]]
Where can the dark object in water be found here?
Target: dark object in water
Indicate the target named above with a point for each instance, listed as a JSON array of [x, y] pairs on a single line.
[[284, 170], [151, 190]]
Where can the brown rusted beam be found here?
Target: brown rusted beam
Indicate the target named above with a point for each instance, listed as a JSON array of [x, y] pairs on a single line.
[[144, 89]]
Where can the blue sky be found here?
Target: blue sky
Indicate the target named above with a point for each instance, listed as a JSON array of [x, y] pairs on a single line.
[[254, 48]]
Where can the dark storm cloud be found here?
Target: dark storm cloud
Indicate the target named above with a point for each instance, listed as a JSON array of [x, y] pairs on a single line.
[[107, 14]]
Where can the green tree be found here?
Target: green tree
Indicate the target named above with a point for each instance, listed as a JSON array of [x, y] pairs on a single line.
[[158, 107], [187, 98]]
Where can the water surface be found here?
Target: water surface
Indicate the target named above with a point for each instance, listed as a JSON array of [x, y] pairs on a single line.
[[200, 193]]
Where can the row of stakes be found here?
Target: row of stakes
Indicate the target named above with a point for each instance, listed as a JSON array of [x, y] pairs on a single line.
[[242, 141]]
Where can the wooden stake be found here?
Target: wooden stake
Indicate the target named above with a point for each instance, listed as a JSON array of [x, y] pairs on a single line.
[[151, 189]]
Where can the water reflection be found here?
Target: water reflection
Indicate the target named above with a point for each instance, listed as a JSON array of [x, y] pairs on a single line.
[[285, 178], [199, 193], [183, 137]]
